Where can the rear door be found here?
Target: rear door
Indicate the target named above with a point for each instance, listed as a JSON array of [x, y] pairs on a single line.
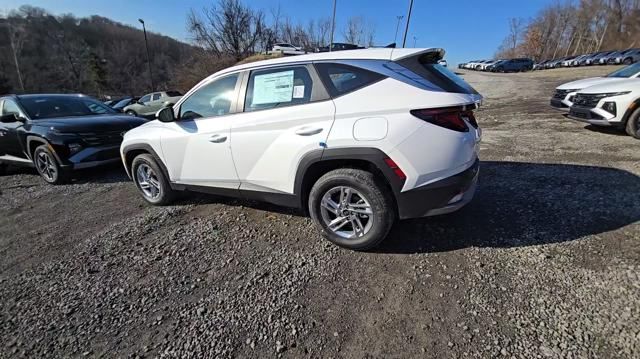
[[287, 113]]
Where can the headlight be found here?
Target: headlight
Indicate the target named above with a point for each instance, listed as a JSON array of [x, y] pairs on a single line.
[[611, 94]]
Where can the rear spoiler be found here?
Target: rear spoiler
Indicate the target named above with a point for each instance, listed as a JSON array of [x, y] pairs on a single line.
[[425, 56]]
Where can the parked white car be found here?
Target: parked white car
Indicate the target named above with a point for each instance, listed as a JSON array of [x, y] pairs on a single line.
[[610, 104], [304, 132], [287, 49], [562, 98]]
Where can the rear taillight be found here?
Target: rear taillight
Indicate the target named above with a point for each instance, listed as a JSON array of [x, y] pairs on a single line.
[[452, 118]]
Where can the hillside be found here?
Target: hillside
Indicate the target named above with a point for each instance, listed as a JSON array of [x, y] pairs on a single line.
[[93, 55]]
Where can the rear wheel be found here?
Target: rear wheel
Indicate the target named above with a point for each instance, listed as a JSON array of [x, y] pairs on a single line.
[[633, 124], [48, 167], [150, 180], [351, 208]]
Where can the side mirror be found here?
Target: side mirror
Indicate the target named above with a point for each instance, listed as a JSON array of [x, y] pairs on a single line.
[[11, 118], [166, 115]]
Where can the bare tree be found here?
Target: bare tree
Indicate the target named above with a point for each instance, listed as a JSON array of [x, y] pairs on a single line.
[[229, 28]]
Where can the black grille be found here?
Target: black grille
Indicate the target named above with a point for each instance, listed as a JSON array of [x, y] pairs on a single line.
[[102, 138], [587, 100], [561, 94]]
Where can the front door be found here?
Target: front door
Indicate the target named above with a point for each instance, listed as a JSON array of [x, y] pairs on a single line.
[[9, 141], [196, 147]]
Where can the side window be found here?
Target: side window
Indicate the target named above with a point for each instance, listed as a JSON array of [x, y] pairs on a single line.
[[284, 86], [156, 96], [10, 107], [145, 98], [341, 79], [211, 100]]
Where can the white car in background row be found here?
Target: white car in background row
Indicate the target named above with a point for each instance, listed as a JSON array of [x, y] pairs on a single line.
[[563, 97], [610, 104], [287, 49]]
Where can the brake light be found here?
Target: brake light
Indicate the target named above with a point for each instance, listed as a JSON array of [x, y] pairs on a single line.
[[391, 163], [452, 118]]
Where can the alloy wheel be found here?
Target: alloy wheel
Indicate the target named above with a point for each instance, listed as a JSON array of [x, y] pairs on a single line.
[[346, 212], [148, 181], [46, 166]]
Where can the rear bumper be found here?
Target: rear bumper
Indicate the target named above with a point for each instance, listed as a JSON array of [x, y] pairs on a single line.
[[440, 197]]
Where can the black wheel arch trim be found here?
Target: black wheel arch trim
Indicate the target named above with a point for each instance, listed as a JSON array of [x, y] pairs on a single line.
[[146, 148], [374, 156], [634, 106], [42, 141]]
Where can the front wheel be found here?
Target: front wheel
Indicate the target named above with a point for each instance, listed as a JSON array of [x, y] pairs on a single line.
[[352, 208], [131, 113], [48, 167], [633, 124], [150, 180], [628, 61]]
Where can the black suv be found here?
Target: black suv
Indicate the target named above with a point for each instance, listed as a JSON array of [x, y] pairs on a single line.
[[59, 133], [514, 65]]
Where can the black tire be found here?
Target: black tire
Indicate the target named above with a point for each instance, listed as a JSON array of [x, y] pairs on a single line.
[[370, 190], [159, 192], [628, 61], [500, 69], [3, 168], [633, 124], [131, 113], [48, 166]]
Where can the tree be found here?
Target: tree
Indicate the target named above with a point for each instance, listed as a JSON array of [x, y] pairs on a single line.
[[231, 28]]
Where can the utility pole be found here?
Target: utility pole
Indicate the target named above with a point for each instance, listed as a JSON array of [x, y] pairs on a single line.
[[146, 44], [406, 29], [399, 17], [333, 25]]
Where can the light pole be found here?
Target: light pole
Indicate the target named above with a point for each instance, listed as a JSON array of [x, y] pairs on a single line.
[[414, 41], [333, 25], [399, 17], [406, 29], [146, 44]]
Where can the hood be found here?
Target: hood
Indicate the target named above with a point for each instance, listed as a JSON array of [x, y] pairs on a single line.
[[97, 123], [584, 83], [615, 86]]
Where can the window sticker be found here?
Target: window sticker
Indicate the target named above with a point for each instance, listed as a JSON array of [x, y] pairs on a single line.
[[298, 91], [273, 88]]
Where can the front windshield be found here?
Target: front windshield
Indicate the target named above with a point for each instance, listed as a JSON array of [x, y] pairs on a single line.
[[41, 107], [122, 103], [626, 72]]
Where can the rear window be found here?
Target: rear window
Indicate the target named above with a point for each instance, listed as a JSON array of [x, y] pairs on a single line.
[[427, 67], [341, 79]]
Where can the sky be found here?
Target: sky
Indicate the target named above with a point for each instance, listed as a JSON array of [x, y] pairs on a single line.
[[466, 29]]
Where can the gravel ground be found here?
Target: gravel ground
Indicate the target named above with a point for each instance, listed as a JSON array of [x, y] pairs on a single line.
[[543, 263]]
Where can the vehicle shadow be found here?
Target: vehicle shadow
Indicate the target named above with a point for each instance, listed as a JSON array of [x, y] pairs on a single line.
[[112, 173], [526, 204], [606, 130]]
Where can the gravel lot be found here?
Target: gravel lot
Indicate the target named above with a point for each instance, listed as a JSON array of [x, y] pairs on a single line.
[[543, 263]]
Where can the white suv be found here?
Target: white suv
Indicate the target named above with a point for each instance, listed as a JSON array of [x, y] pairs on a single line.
[[357, 138], [610, 104], [562, 98]]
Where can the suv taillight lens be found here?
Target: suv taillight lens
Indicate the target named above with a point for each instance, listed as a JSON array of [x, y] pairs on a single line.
[[451, 118]]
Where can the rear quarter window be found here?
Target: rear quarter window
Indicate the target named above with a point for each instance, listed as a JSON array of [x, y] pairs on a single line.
[[340, 79], [430, 70]]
